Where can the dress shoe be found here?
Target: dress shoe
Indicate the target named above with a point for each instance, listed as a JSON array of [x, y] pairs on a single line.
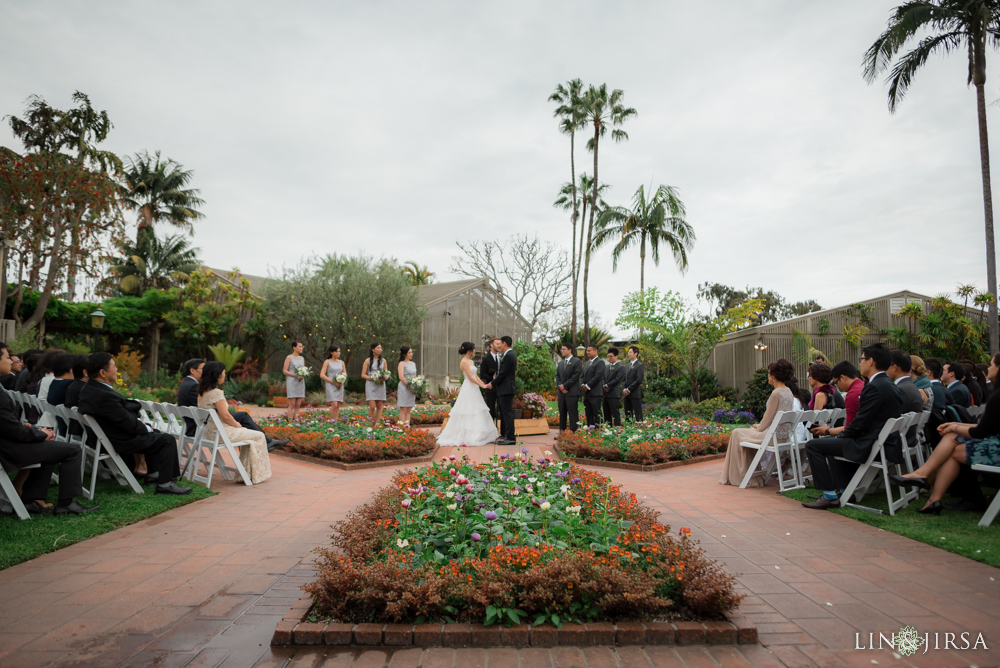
[[822, 503], [933, 509], [37, 509], [147, 478], [74, 509], [273, 445], [908, 482], [965, 504], [172, 488], [503, 441]]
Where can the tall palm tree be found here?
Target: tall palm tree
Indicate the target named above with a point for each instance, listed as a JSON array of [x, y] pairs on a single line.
[[657, 220], [585, 190], [157, 189], [416, 274], [601, 109], [572, 119], [155, 263], [967, 26]]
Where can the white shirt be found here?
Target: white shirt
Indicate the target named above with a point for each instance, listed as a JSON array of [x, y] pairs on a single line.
[[954, 382], [877, 374], [900, 379]]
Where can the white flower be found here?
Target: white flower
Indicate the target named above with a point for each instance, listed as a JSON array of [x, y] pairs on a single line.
[[450, 495], [659, 436], [402, 543], [545, 505], [564, 488], [452, 506], [529, 487], [368, 429], [548, 453], [573, 509], [532, 479]]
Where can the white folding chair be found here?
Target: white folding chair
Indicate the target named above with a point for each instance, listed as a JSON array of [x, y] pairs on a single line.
[[103, 453], [9, 500], [188, 447], [208, 450], [835, 415], [823, 416], [776, 447], [976, 411], [994, 508], [911, 450], [865, 478], [923, 447]]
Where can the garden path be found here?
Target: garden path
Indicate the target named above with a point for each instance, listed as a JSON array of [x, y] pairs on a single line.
[[205, 584]]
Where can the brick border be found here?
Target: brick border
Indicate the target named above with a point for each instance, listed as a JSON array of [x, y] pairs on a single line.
[[637, 467], [294, 631], [357, 466]]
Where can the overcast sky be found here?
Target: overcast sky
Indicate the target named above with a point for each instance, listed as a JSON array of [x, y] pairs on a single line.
[[399, 128]]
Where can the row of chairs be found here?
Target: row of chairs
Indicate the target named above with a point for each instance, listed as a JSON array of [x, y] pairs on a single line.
[[199, 455]]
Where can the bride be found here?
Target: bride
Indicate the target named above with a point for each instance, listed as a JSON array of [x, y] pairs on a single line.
[[469, 422]]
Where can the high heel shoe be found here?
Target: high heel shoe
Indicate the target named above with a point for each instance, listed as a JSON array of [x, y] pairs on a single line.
[[933, 509], [908, 482]]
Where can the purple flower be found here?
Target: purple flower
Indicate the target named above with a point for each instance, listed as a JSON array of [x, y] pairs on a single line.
[[476, 537], [490, 515], [573, 481], [524, 450]]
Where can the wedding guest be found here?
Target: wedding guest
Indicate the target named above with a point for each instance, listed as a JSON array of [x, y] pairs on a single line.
[[406, 370], [7, 382], [613, 377], [918, 373], [62, 374], [79, 381], [211, 397], [374, 389], [295, 386], [632, 388], [738, 459], [187, 393], [28, 359], [935, 369], [951, 378], [975, 380], [592, 385], [822, 392], [332, 367]]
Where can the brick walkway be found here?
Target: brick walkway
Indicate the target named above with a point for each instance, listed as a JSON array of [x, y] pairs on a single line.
[[204, 585]]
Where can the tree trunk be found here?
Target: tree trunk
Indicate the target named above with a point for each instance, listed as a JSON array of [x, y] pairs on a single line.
[[50, 279], [695, 389], [642, 271], [991, 257], [71, 268], [574, 265], [5, 255], [590, 229]]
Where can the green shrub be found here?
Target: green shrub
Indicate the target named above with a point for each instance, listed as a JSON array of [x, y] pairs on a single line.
[[248, 391], [665, 387], [535, 368], [706, 409], [754, 398], [355, 384], [685, 406]]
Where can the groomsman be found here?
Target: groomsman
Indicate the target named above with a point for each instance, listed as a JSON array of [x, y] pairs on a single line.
[[488, 368], [632, 392], [592, 384], [568, 384], [613, 376]]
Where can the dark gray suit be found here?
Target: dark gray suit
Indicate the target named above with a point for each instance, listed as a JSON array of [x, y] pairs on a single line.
[[614, 376], [912, 403], [568, 373], [592, 385], [634, 374], [959, 394]]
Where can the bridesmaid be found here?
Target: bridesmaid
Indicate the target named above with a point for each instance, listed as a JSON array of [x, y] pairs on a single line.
[[374, 391], [405, 398], [295, 387], [334, 390]]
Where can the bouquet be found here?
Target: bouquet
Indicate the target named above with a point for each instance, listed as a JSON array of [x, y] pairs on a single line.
[[341, 378], [303, 372], [418, 385], [380, 375]]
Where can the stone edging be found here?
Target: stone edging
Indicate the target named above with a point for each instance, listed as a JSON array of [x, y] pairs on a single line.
[[293, 631], [357, 466], [637, 467]]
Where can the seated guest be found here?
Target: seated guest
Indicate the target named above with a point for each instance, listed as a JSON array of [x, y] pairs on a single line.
[[28, 360], [952, 377], [21, 445], [934, 371], [879, 401], [62, 373], [975, 380], [119, 418], [79, 381], [738, 459], [845, 376], [962, 444], [918, 372], [818, 378], [211, 397], [899, 372], [45, 366], [7, 382]]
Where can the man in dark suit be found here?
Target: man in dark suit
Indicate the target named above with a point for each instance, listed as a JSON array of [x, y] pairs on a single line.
[[488, 367], [503, 384], [880, 401], [7, 381], [568, 384], [592, 385], [899, 373], [21, 445], [614, 376], [119, 418], [632, 390], [957, 392], [934, 370], [187, 393]]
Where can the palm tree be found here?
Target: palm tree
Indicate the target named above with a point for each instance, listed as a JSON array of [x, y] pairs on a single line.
[[155, 263], [967, 26], [416, 274], [601, 109], [657, 220], [572, 119], [585, 190], [157, 189]]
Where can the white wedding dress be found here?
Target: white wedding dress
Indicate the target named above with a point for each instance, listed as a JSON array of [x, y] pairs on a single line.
[[469, 422]]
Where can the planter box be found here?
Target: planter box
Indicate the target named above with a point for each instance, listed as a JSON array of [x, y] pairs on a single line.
[[280, 402], [532, 427]]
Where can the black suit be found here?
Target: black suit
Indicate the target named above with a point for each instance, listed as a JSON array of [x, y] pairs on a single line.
[[119, 418], [592, 385], [634, 374], [880, 401], [488, 369], [959, 395], [912, 403], [568, 373], [503, 384], [614, 376], [187, 395], [22, 446], [7, 382]]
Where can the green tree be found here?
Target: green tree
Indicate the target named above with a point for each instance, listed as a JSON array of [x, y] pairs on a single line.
[[416, 274], [208, 310], [603, 110], [535, 367], [571, 118], [155, 263], [350, 301], [157, 189], [944, 26], [944, 330], [658, 220], [677, 336], [724, 297], [585, 191]]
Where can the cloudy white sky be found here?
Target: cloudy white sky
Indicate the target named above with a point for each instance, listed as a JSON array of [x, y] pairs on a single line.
[[399, 128]]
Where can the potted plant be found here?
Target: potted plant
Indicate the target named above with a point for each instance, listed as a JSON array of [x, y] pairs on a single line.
[[534, 405], [518, 407]]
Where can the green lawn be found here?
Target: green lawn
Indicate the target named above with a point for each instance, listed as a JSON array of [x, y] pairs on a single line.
[[21, 540], [953, 530]]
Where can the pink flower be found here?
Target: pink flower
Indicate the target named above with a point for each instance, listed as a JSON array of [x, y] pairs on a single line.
[[406, 503]]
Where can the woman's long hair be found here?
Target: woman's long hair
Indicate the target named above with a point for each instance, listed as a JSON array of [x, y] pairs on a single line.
[[371, 355], [402, 353], [210, 375]]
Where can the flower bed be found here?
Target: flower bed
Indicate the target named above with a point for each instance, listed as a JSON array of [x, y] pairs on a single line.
[[646, 443], [349, 440], [510, 541]]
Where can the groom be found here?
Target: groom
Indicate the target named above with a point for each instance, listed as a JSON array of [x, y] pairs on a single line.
[[503, 385]]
